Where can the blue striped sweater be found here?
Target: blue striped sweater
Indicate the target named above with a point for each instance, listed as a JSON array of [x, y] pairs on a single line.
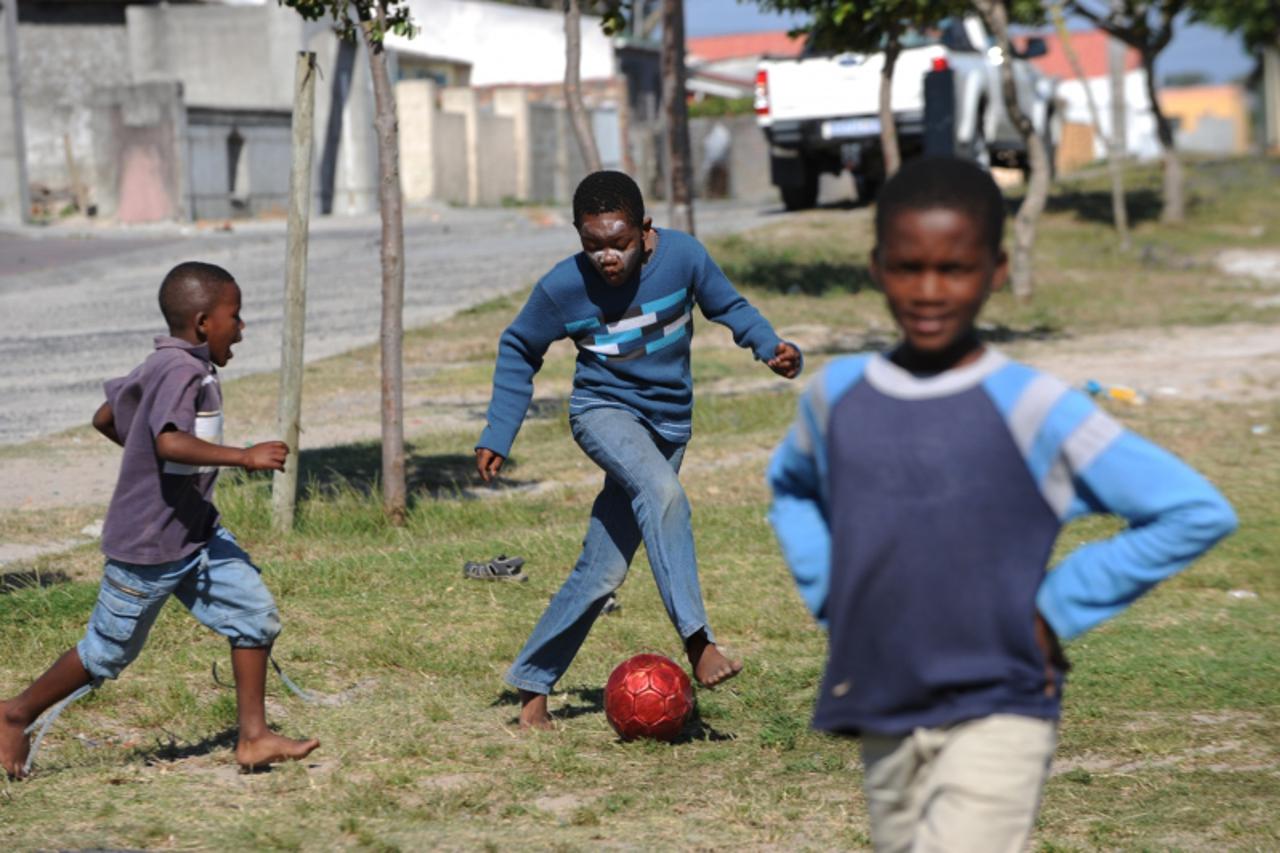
[[918, 516], [633, 340]]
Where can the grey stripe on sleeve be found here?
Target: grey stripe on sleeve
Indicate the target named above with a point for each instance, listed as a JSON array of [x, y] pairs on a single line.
[[1094, 435], [1032, 408]]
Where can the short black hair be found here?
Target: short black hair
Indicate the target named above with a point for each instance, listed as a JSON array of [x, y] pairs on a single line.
[[608, 192], [945, 182], [188, 289]]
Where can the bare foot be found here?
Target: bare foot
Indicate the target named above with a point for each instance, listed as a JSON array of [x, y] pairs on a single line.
[[533, 711], [14, 743], [271, 748], [710, 667]]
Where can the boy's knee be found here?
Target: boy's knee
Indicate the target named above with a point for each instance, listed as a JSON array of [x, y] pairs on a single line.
[[252, 630], [104, 660]]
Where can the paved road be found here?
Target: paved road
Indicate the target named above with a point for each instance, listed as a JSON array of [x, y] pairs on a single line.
[[79, 309]]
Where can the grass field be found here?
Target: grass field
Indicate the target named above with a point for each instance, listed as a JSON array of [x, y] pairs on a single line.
[[1171, 730]]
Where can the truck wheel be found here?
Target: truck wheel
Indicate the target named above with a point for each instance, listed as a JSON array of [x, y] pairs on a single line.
[[804, 195], [867, 187]]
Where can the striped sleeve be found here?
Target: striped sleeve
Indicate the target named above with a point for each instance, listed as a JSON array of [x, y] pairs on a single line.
[[1085, 462], [520, 352], [797, 478]]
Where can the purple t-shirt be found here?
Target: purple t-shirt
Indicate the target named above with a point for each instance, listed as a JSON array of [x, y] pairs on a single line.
[[163, 511]]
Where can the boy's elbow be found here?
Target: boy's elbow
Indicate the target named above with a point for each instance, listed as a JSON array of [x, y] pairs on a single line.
[[1223, 519]]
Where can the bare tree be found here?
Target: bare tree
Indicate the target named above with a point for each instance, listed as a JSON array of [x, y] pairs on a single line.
[[679, 160], [1147, 25], [1115, 167], [373, 20], [573, 85], [996, 15]]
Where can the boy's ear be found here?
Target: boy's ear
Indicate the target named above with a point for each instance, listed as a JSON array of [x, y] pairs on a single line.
[[873, 267], [647, 225], [200, 325], [1001, 273]]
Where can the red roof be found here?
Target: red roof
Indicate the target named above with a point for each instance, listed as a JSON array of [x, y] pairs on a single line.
[[741, 45], [1090, 47]]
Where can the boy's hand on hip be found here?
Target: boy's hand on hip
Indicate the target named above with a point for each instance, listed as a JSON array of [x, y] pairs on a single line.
[[267, 456], [1054, 660], [488, 463], [785, 361]]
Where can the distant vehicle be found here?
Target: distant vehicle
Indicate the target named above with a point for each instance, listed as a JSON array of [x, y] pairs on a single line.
[[821, 112]]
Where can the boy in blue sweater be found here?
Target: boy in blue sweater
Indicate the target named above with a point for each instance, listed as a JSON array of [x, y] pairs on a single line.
[[917, 499], [627, 301]]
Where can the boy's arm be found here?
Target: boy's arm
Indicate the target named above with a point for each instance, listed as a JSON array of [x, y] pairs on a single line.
[[721, 303], [797, 512], [520, 352], [1174, 516], [104, 421], [173, 445]]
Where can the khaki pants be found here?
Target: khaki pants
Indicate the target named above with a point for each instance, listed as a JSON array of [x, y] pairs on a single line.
[[973, 786]]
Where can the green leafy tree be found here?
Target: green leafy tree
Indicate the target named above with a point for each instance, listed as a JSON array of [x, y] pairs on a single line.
[[1257, 21], [370, 21], [869, 26], [1147, 26]]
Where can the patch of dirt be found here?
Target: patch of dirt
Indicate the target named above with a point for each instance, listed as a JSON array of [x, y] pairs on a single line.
[[562, 806], [1239, 362], [450, 781], [1262, 264]]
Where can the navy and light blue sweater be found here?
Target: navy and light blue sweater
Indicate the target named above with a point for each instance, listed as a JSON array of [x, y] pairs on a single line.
[[918, 516], [633, 339]]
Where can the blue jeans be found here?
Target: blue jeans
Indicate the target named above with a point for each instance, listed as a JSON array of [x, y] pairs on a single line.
[[218, 584], [642, 499]]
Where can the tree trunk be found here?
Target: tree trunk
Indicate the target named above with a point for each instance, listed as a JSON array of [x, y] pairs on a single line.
[[996, 15], [392, 331], [1174, 210], [1119, 211], [673, 95], [624, 125], [573, 86], [888, 128]]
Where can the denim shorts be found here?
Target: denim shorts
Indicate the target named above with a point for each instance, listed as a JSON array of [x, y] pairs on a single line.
[[218, 584]]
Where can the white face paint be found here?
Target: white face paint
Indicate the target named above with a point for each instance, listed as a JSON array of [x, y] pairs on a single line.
[[613, 257]]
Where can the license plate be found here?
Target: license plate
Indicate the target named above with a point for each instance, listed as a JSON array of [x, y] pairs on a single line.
[[845, 128]]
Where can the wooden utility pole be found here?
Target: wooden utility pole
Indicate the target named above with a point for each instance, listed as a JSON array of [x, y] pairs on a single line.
[[284, 486]]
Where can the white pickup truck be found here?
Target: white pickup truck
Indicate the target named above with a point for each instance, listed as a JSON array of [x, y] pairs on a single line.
[[821, 112]]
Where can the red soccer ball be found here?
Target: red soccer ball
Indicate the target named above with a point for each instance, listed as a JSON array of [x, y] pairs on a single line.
[[648, 696]]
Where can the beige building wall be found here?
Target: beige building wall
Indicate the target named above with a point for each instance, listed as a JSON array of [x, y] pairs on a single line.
[[1192, 105]]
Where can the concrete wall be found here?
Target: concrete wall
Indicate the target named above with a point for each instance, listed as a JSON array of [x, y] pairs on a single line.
[[66, 52], [546, 128], [239, 162], [496, 156], [449, 142], [740, 172], [139, 135], [14, 202], [346, 144], [1211, 119], [503, 44], [225, 56], [416, 109]]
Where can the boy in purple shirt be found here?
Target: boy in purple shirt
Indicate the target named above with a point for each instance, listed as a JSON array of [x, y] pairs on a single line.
[[161, 536]]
